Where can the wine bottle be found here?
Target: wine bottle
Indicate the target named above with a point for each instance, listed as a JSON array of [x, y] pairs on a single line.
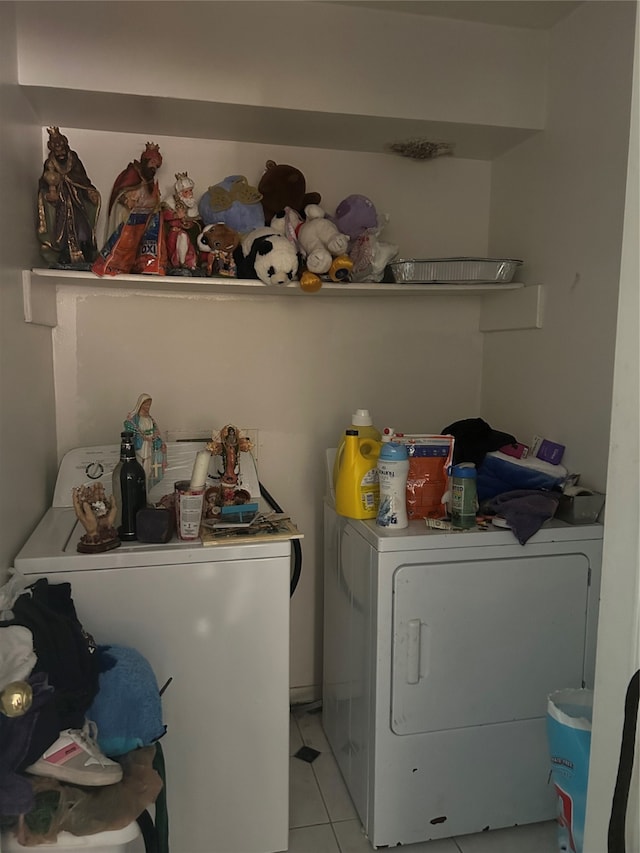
[[133, 487]]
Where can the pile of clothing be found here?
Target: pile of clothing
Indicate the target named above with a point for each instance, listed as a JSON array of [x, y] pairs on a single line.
[[79, 722], [520, 493]]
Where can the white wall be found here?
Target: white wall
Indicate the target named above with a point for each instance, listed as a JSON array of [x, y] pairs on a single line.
[[27, 414], [619, 630], [557, 201], [302, 56]]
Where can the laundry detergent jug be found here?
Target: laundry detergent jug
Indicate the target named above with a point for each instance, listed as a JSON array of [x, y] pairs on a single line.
[[362, 422], [357, 488]]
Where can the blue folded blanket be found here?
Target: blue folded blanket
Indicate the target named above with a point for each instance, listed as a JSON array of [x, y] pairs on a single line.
[[499, 473], [127, 709]]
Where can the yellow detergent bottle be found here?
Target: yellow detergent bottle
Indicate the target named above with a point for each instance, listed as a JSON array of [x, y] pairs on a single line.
[[362, 422], [357, 487]]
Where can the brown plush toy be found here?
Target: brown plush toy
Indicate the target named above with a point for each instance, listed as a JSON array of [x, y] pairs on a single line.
[[217, 242], [284, 186]]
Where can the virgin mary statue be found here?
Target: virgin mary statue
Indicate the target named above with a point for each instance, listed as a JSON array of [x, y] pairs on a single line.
[[151, 451]]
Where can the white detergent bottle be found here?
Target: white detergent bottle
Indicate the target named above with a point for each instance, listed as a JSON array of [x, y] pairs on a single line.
[[393, 468], [362, 422]]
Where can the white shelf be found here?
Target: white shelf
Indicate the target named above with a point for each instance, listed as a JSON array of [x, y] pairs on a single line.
[[253, 287], [505, 306]]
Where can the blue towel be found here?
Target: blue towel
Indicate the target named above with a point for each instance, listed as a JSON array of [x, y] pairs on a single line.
[[127, 709]]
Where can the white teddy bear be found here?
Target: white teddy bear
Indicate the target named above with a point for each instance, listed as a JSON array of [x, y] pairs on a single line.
[[320, 240]]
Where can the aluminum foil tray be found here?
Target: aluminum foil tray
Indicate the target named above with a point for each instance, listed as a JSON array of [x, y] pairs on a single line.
[[429, 270]]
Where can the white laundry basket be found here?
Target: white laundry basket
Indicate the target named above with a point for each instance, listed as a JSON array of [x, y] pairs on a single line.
[[111, 841]]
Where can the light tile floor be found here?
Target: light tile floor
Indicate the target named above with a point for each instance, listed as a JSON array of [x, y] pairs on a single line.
[[322, 818]]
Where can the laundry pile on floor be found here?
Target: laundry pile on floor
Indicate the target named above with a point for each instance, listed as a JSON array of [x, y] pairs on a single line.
[[79, 722]]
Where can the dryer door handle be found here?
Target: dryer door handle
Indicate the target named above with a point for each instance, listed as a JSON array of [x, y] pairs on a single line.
[[414, 631]]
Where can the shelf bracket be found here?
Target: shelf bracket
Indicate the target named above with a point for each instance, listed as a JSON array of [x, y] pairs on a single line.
[[39, 301], [517, 309]]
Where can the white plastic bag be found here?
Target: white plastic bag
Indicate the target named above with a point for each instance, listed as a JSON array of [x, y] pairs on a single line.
[[569, 714]]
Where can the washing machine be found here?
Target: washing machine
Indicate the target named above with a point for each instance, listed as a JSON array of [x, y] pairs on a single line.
[[440, 649], [213, 622]]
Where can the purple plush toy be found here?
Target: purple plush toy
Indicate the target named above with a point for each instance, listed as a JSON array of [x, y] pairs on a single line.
[[355, 214], [357, 217]]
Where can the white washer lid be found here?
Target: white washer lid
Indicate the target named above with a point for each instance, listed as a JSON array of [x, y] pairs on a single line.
[[66, 840]]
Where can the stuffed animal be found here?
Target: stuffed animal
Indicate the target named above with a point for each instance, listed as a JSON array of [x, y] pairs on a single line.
[[217, 243], [356, 216], [284, 186], [267, 255], [233, 202], [320, 240]]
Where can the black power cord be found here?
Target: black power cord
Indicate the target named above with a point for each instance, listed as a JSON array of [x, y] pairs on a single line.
[[297, 549]]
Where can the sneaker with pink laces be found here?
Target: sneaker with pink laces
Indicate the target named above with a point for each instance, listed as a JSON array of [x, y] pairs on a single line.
[[76, 758]]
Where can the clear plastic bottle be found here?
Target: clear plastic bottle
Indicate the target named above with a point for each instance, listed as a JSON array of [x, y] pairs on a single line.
[[357, 490], [393, 468], [362, 422]]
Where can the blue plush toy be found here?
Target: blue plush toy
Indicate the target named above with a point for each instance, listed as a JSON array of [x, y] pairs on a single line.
[[233, 202]]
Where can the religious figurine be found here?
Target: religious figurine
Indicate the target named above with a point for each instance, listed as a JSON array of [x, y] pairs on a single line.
[[136, 188], [184, 225], [96, 512], [228, 444], [68, 207], [135, 233], [151, 450]]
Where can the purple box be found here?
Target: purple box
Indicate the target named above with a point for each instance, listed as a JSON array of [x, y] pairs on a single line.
[[551, 452]]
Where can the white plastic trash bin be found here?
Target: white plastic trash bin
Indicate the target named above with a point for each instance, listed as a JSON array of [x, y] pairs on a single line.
[[111, 841]]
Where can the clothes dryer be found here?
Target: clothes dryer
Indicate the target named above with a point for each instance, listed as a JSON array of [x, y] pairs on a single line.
[[440, 650]]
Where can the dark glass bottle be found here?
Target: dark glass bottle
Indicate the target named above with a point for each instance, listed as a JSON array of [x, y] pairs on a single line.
[[133, 487]]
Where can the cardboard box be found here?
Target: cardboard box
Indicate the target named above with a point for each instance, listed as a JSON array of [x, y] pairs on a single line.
[[548, 451]]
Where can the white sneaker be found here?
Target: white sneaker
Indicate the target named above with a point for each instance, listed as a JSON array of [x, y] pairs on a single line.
[[75, 757]]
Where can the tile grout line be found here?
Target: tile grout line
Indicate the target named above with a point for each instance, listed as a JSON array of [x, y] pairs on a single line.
[[331, 822], [333, 829], [324, 802], [328, 821]]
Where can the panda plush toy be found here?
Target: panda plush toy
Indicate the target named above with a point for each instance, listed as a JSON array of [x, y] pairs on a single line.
[[268, 256]]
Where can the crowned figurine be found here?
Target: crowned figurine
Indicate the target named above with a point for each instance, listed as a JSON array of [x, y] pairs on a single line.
[[183, 222], [68, 208]]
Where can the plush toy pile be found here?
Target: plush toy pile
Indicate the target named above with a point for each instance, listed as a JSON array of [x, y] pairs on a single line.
[[275, 232]]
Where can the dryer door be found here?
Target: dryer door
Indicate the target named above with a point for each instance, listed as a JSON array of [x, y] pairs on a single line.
[[481, 642]]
